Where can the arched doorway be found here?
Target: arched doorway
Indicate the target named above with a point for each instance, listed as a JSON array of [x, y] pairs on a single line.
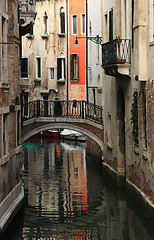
[[121, 137]]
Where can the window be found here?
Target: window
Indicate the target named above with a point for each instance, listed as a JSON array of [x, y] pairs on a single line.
[[109, 130], [74, 67], [25, 104], [4, 67], [106, 27], [74, 24], [18, 127], [51, 73], [62, 20], [38, 67], [24, 67], [60, 68], [5, 134], [111, 25], [98, 53], [45, 18], [83, 24]]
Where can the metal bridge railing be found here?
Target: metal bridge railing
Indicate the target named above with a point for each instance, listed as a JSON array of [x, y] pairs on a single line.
[[63, 109]]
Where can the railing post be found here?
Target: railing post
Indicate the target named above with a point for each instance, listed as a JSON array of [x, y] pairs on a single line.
[[82, 109], [38, 108]]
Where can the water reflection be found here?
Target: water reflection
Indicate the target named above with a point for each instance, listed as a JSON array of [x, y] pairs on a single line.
[[67, 199]]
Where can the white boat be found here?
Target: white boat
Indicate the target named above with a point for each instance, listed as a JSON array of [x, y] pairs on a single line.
[[71, 146], [72, 135]]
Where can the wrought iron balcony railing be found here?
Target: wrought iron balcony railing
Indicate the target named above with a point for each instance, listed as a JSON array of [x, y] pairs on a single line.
[[62, 109], [117, 51]]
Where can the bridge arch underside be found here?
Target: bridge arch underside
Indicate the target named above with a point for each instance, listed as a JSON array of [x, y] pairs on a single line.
[[94, 132]]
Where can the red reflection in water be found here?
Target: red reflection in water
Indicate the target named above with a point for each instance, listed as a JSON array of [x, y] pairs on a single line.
[[81, 235], [58, 151]]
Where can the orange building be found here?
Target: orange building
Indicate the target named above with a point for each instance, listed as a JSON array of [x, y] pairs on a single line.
[[77, 28]]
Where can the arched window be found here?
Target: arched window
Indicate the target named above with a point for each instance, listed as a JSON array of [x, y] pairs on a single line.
[[45, 17], [62, 20], [61, 67]]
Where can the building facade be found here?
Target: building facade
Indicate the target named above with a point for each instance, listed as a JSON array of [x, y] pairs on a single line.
[[44, 53], [77, 28], [94, 53], [10, 121], [127, 59]]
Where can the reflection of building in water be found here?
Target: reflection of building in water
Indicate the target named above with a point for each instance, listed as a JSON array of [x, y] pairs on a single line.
[[57, 193], [57, 180], [78, 180]]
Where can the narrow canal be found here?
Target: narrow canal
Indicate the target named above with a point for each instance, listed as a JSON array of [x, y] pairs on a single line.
[[67, 198]]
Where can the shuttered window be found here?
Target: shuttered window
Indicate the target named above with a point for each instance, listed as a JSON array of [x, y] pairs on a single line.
[[74, 67], [24, 67], [38, 67], [61, 68], [74, 23], [83, 25], [111, 25], [62, 22]]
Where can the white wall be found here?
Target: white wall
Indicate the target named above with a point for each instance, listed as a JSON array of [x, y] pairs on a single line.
[[94, 51]]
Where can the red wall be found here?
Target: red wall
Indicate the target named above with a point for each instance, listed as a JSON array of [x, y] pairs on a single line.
[[77, 89]]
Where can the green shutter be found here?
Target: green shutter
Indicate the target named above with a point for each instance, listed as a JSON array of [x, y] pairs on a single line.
[[77, 66], [71, 66]]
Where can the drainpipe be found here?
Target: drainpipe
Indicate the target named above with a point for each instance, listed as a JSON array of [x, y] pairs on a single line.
[[87, 95], [67, 12]]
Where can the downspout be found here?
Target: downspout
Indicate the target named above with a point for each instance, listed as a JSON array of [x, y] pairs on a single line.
[[87, 95], [67, 92]]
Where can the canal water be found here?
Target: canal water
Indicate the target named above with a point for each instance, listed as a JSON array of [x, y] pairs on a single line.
[[67, 198]]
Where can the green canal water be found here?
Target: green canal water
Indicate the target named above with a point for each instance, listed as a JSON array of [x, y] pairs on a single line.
[[67, 198]]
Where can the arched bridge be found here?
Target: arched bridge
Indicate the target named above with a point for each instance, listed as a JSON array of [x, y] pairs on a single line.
[[41, 115]]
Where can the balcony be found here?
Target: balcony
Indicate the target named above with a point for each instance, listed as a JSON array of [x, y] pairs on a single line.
[[116, 57]]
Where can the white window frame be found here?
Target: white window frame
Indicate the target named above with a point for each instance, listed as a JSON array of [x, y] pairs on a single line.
[[39, 77], [50, 73], [75, 15], [83, 14], [62, 8], [45, 23]]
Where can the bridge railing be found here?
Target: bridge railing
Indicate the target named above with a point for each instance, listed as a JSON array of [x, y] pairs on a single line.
[[63, 109]]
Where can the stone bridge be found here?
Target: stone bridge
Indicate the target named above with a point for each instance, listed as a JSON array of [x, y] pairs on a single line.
[[43, 115]]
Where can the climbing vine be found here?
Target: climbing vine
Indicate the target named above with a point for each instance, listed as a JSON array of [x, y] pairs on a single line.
[[144, 110], [134, 116]]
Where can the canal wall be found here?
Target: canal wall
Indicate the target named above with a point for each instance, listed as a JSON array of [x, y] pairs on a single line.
[[141, 200]]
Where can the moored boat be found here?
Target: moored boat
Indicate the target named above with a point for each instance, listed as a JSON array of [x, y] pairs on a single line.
[[52, 133], [72, 135]]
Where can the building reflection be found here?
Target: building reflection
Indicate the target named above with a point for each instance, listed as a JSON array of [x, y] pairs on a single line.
[[58, 180], [67, 198]]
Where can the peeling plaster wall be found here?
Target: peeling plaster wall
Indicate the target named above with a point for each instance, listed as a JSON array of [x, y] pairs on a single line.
[[48, 48], [138, 162]]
